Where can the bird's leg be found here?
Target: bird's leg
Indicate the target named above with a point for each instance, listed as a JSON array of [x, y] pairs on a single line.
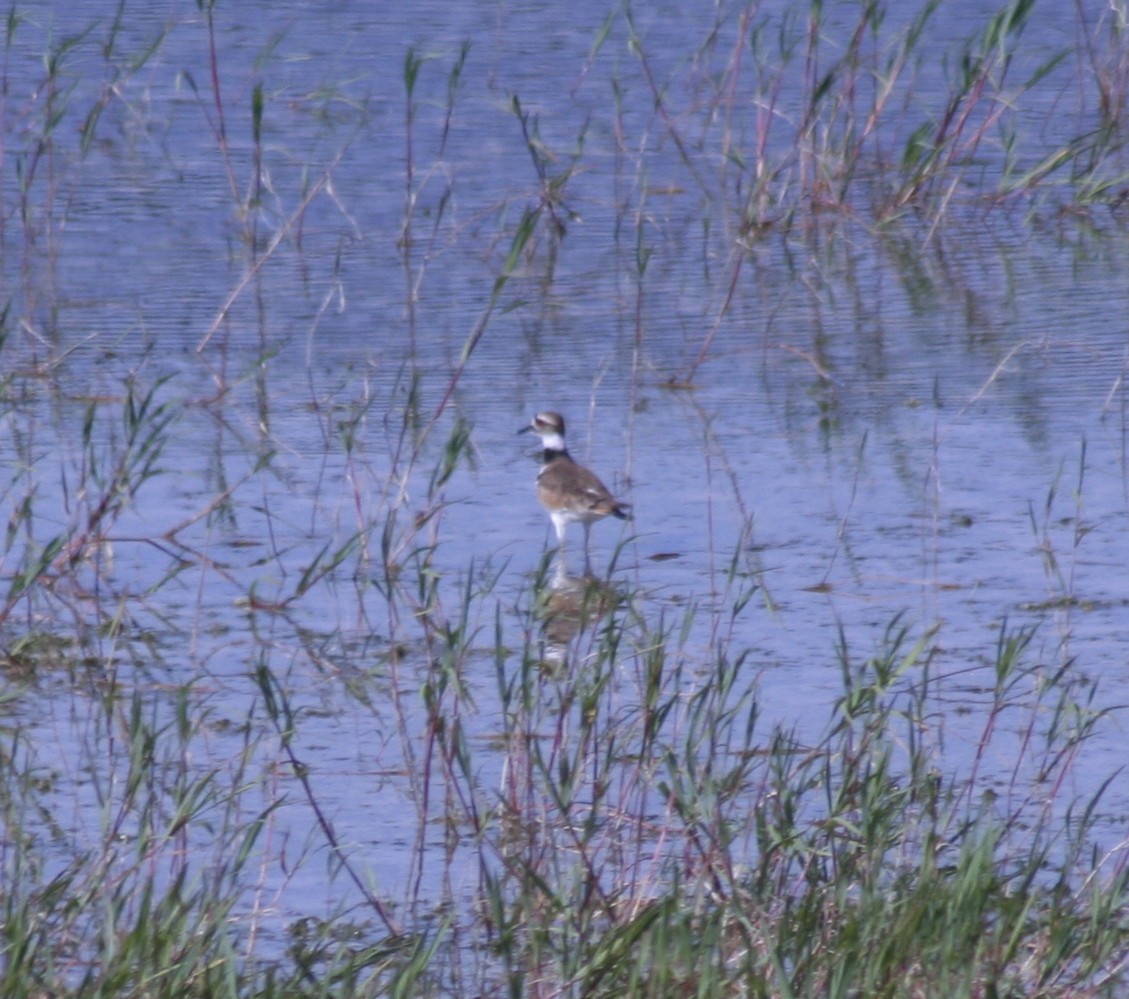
[[587, 560], [560, 526]]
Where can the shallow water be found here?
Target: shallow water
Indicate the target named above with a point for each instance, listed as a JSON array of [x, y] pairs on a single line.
[[920, 423]]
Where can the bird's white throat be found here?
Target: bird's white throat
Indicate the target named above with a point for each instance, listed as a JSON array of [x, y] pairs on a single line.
[[552, 441]]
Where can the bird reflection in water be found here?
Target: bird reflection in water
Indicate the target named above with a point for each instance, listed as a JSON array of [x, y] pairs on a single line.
[[568, 605]]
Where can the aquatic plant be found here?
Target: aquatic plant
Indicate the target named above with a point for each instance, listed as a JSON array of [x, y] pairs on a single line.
[[238, 601]]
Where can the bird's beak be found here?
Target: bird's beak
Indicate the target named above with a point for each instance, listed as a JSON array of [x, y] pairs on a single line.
[[526, 429]]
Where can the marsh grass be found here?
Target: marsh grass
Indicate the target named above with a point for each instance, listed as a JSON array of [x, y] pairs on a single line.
[[626, 825], [816, 112], [622, 820]]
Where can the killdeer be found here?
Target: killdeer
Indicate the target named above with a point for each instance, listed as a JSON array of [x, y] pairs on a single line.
[[568, 491]]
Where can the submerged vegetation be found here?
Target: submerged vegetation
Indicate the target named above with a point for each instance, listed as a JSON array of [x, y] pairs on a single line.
[[217, 631]]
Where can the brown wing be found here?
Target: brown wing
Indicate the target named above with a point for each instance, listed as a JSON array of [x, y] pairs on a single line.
[[563, 483]]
